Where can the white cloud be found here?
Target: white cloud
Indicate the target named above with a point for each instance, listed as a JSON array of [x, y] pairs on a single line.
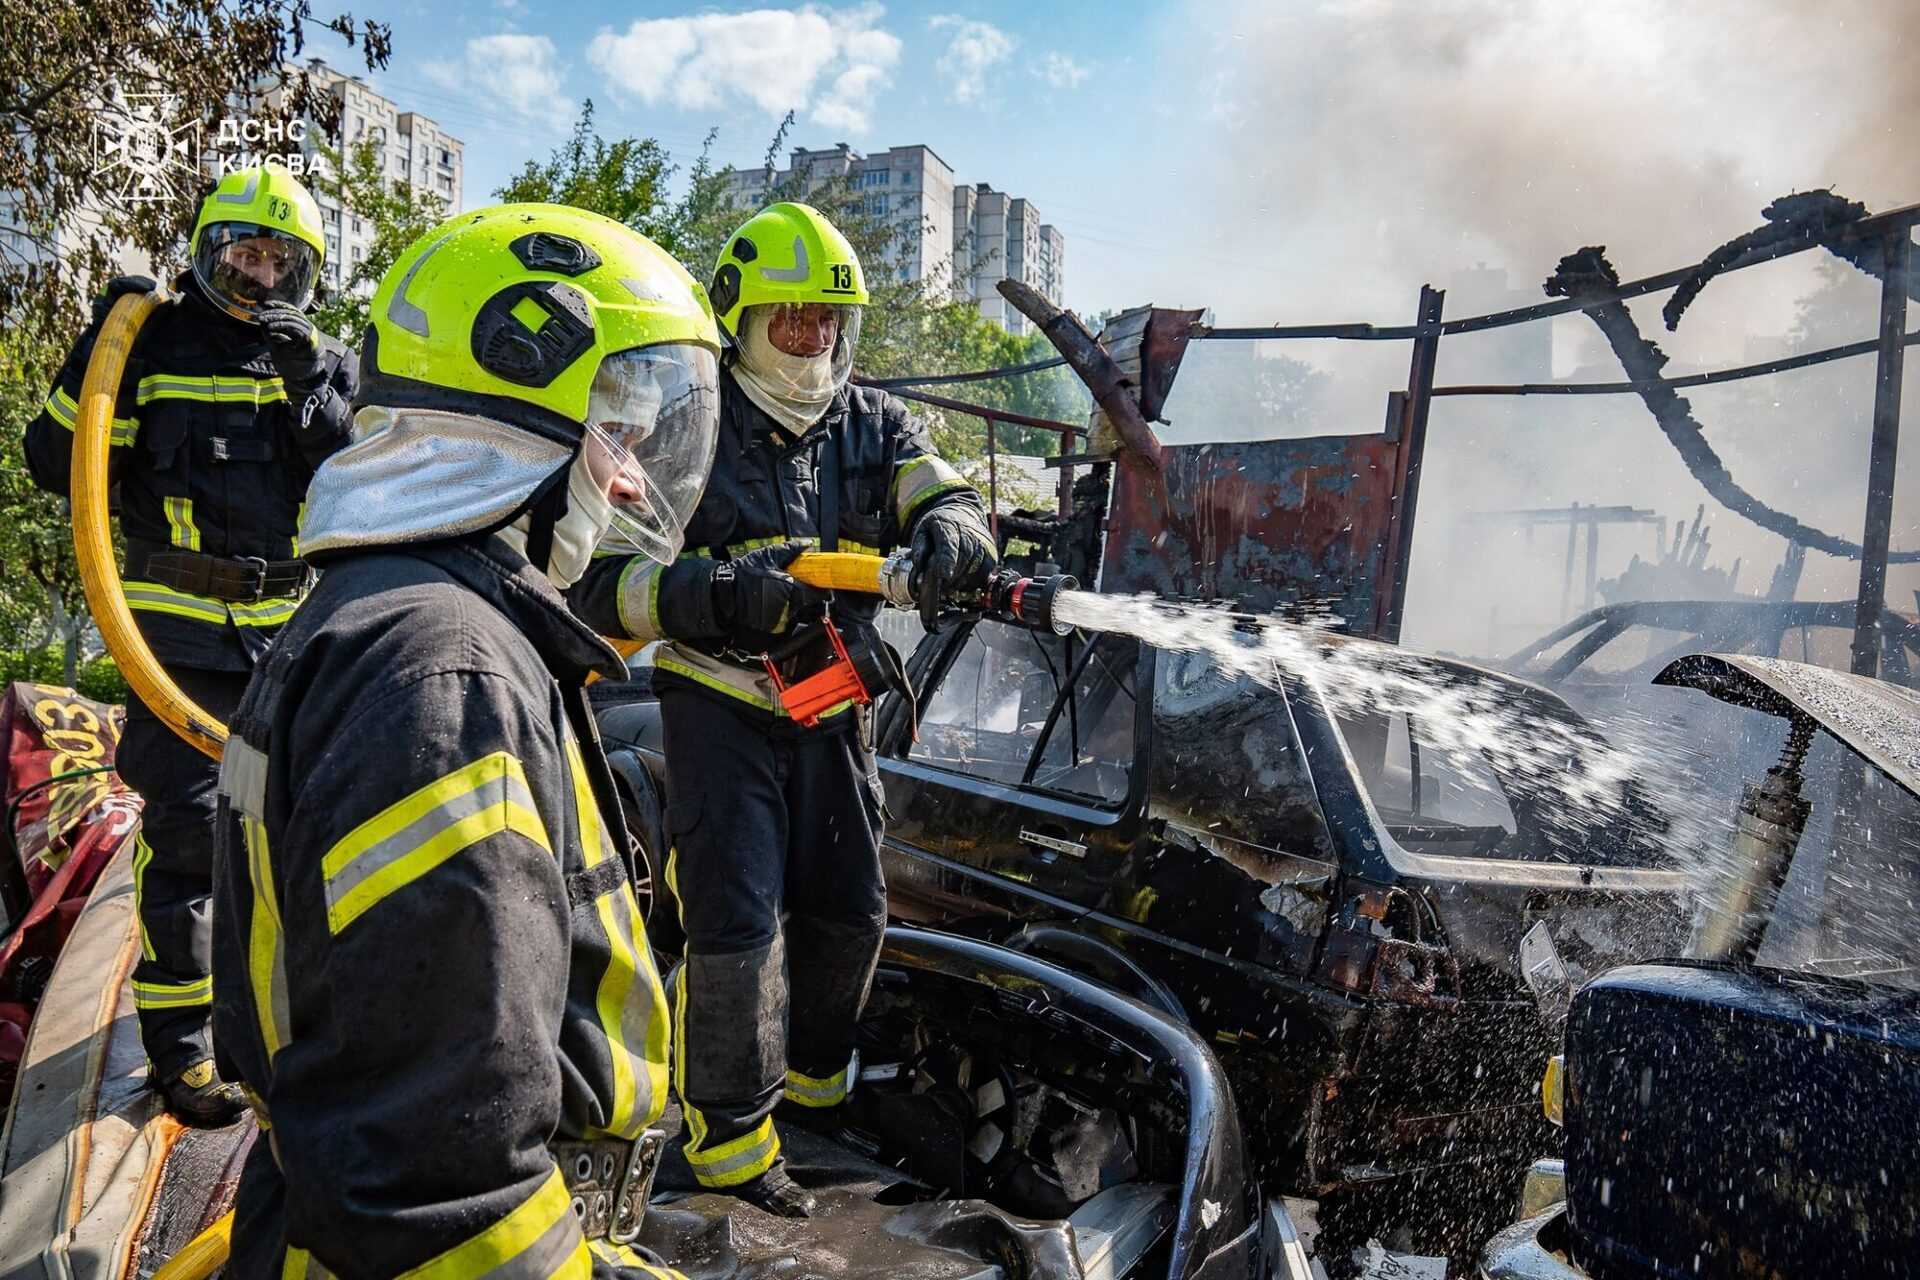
[[1062, 71], [829, 64], [524, 71], [976, 48]]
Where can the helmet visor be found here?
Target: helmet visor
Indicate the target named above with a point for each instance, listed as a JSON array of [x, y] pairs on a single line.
[[652, 422], [802, 334], [243, 266]]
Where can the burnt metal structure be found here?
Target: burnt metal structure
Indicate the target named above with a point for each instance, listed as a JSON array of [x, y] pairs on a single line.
[[1272, 523]]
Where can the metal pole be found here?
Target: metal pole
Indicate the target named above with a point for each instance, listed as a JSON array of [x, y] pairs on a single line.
[[1066, 475], [993, 483], [1593, 557], [1411, 457], [1886, 441]]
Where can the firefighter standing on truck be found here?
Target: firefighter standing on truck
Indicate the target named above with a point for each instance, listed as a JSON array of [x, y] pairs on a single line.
[[431, 971], [230, 401], [775, 828]]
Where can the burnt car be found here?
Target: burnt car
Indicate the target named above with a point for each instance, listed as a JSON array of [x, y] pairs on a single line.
[[1751, 1108], [1346, 911]]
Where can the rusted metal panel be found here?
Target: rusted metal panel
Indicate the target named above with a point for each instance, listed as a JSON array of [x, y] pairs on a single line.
[[1263, 524]]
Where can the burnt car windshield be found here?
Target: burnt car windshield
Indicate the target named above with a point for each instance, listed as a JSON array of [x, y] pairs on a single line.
[[1438, 794]]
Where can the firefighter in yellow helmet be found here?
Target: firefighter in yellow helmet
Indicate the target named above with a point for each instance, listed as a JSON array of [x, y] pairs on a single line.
[[775, 827], [230, 402], [430, 969]]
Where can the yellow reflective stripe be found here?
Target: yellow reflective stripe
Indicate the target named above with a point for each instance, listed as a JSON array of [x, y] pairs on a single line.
[[919, 480], [270, 612], [627, 1258], [814, 1091], [299, 522], [539, 1240], [741, 1160], [733, 549], [301, 1265], [184, 533], [142, 855], [154, 597], [634, 1025], [639, 617], [232, 389], [173, 995], [411, 837], [63, 409], [266, 943], [747, 696]]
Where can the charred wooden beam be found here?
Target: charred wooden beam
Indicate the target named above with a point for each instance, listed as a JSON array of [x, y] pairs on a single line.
[[1803, 218], [1095, 367], [1588, 279]]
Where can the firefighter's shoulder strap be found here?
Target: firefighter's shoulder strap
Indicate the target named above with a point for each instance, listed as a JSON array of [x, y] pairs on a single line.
[[827, 477]]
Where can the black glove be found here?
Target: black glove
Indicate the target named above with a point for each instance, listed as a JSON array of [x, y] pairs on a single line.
[[116, 288], [952, 553], [294, 344], [754, 598]]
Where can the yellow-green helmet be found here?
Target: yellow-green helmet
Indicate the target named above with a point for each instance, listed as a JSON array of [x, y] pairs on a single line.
[[258, 240], [516, 358], [509, 311], [787, 252]]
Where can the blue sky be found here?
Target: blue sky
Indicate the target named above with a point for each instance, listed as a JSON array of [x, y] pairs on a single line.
[[1280, 161], [1019, 95]]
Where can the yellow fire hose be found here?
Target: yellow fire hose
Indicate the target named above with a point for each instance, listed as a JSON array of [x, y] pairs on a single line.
[[93, 547], [93, 540]]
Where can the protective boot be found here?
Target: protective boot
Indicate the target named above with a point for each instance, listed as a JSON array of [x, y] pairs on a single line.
[[198, 1097], [777, 1193]]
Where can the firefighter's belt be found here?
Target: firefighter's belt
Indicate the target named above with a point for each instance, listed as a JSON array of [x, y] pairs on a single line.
[[238, 579], [610, 1181]]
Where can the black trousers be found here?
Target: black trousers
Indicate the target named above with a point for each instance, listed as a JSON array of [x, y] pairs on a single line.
[[173, 870], [776, 865]]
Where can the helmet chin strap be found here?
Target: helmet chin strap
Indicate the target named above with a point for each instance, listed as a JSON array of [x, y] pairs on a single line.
[[547, 512]]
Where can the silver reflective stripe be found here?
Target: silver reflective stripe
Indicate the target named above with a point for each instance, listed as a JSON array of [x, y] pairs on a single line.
[[243, 778], [711, 1170], [404, 313], [637, 1010], [545, 1256], [795, 274], [424, 828]]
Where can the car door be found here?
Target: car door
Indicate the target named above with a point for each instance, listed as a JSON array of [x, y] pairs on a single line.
[[1021, 789]]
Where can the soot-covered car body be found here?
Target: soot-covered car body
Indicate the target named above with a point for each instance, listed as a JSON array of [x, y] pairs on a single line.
[[1756, 1115], [1258, 859]]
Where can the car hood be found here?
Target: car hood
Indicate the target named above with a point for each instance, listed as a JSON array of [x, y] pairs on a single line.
[[1877, 721]]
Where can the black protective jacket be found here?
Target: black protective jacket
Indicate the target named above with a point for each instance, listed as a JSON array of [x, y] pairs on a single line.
[[867, 468], [428, 956], [208, 454]]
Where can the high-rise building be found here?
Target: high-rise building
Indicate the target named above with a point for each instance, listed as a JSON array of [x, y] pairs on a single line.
[[998, 237], [412, 148], [951, 236], [911, 186]]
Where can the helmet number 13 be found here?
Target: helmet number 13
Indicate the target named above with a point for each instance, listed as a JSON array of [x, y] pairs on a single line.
[[842, 275], [279, 210]]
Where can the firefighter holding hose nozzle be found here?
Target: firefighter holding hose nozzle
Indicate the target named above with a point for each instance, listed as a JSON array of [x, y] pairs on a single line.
[[775, 818], [231, 401]]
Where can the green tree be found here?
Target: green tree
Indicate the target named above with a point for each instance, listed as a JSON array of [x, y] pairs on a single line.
[[69, 68], [42, 601], [911, 326], [399, 214]]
